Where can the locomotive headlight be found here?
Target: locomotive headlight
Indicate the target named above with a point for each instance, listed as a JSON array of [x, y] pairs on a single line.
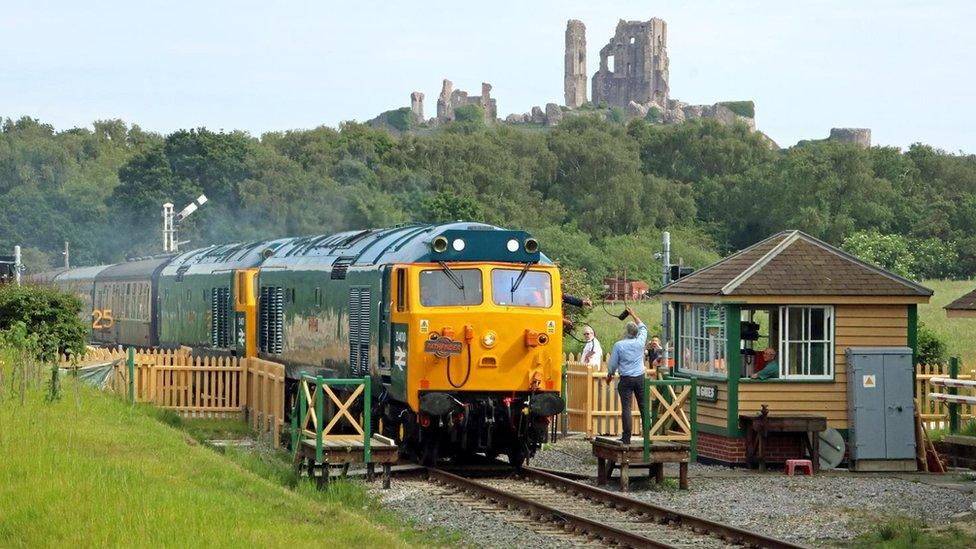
[[458, 244], [488, 340], [512, 245]]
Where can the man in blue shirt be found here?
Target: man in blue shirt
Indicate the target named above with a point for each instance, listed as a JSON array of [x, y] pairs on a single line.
[[628, 356]]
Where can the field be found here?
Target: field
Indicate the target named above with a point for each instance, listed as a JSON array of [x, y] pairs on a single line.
[[958, 333], [89, 470]]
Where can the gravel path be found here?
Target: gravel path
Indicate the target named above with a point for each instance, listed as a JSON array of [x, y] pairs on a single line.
[[818, 510]]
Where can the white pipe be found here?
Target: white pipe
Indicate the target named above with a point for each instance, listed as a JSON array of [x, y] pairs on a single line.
[[665, 306], [949, 382], [957, 399], [17, 265]]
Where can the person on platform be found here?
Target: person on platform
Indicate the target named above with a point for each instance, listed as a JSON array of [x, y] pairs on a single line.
[[627, 356], [592, 350], [771, 369], [654, 352]]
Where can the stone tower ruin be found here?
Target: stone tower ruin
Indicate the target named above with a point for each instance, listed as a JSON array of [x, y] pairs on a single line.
[[574, 83], [639, 54]]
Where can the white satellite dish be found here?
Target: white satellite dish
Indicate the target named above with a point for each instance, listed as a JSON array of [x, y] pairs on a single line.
[[832, 447]]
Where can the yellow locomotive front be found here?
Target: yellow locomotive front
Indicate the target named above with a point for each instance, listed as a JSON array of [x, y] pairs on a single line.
[[479, 345]]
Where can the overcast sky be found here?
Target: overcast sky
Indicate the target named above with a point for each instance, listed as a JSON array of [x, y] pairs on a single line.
[[904, 69]]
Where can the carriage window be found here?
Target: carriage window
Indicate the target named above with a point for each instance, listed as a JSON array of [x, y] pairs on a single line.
[[437, 289], [533, 290]]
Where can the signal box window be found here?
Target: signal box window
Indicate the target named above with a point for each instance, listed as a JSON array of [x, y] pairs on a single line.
[[532, 290], [440, 288]]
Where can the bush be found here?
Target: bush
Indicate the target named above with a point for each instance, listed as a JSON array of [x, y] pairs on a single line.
[[469, 114], [401, 119], [741, 108], [931, 347], [653, 115], [617, 114], [49, 316]]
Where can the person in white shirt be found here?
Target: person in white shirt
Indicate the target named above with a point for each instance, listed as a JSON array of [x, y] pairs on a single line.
[[592, 351]]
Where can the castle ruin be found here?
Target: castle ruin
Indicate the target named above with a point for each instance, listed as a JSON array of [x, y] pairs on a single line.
[[574, 83], [639, 53], [450, 99], [858, 136]]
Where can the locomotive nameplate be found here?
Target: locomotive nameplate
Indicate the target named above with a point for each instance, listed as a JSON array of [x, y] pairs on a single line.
[[443, 347]]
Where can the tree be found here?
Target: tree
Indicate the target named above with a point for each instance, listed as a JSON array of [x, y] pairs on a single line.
[[49, 316]]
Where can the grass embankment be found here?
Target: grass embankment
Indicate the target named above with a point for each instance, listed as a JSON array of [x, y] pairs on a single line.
[[609, 328], [909, 533], [97, 472], [958, 333]]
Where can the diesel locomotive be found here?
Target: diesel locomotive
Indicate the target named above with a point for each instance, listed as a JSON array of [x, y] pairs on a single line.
[[459, 325]]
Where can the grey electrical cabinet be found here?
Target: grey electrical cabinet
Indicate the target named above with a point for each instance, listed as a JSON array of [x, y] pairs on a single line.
[[881, 411]]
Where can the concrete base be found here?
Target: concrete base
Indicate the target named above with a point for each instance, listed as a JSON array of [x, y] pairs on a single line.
[[882, 465]]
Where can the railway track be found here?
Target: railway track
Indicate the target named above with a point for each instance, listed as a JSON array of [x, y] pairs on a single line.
[[580, 514]]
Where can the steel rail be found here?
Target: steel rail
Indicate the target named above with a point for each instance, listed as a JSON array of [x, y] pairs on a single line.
[[551, 514], [730, 533]]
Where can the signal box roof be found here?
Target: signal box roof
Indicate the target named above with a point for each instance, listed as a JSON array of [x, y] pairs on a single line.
[[793, 263], [965, 306]]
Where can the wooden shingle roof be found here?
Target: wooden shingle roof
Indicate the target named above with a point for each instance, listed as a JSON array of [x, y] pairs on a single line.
[[964, 303], [794, 263]]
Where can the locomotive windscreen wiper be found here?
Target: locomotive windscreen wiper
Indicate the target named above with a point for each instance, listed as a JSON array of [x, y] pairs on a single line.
[[451, 276], [521, 277]]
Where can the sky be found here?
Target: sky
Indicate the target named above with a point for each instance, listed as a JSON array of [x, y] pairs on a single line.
[[904, 69]]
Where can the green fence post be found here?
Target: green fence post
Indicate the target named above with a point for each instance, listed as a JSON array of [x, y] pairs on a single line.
[[367, 419], [646, 425], [953, 406], [131, 363], [693, 419], [319, 415]]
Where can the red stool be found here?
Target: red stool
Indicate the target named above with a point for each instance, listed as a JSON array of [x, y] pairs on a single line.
[[803, 464]]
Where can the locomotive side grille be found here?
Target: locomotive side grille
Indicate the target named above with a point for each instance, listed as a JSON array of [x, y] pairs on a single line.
[[354, 331], [340, 266], [364, 318], [272, 319], [219, 304], [359, 331]]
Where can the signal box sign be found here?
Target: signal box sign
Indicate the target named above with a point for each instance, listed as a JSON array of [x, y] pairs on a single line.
[[707, 393], [443, 347]]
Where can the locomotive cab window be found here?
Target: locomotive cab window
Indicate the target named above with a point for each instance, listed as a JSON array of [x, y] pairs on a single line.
[[401, 290], [441, 288], [511, 287]]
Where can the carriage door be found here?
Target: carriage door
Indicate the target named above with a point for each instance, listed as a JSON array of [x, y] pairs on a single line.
[[245, 312]]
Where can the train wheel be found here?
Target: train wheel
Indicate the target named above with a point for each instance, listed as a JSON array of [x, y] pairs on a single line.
[[516, 457], [430, 451]]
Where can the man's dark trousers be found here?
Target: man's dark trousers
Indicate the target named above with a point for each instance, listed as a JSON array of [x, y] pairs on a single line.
[[627, 386]]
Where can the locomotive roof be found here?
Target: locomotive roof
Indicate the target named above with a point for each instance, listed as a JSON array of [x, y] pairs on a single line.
[[223, 257], [139, 269], [402, 244]]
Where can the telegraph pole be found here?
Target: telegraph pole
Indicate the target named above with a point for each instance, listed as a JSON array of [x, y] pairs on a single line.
[[665, 310], [67, 255]]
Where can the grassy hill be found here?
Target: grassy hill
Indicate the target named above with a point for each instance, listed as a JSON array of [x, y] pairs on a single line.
[[93, 471]]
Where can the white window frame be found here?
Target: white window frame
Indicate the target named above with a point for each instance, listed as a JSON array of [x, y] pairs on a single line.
[[694, 337], [806, 341]]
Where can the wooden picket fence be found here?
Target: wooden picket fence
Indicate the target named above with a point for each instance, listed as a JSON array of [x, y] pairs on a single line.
[[593, 405], [935, 414], [200, 386]]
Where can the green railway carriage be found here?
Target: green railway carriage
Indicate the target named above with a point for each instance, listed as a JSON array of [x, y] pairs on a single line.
[[124, 303], [78, 282]]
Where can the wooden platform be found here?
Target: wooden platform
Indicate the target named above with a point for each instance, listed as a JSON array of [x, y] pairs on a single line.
[[611, 454], [346, 449]]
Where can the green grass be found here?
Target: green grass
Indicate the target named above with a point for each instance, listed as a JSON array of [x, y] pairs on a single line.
[[609, 329], [958, 333], [108, 474], [902, 532]]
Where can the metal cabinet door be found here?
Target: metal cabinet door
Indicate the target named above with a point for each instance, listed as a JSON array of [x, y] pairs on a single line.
[[899, 407], [867, 382]]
